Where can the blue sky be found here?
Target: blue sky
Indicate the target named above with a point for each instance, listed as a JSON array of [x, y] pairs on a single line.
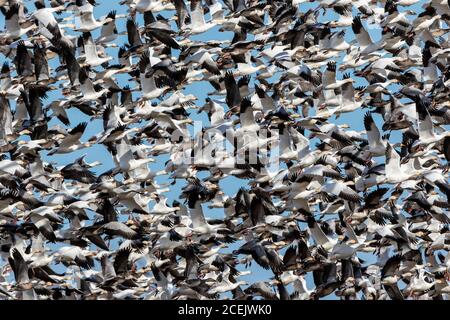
[[229, 185]]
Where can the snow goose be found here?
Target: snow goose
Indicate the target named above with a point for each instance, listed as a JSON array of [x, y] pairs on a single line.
[[395, 172], [198, 24], [13, 29], [390, 277], [377, 145], [86, 21], [91, 55], [72, 141]]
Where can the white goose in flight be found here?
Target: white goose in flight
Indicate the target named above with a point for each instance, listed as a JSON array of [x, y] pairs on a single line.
[[377, 145]]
